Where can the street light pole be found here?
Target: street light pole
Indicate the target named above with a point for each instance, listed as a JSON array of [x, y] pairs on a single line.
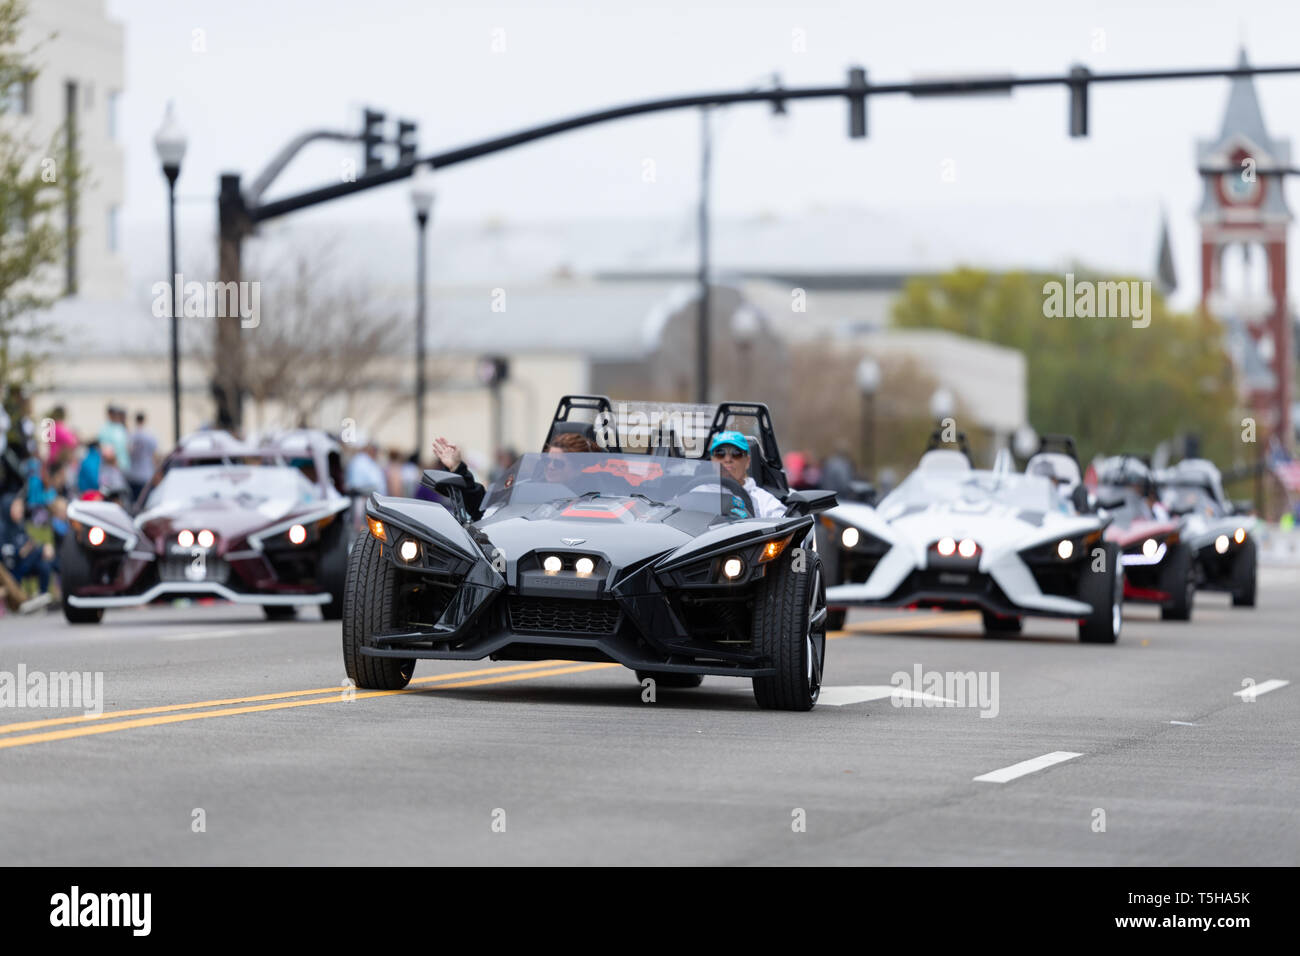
[[422, 196], [702, 321], [868, 380], [170, 143], [422, 223], [171, 173]]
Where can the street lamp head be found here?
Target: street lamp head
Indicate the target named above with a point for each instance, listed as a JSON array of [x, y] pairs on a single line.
[[422, 191], [942, 403], [170, 141], [745, 325], [868, 376], [1025, 441]]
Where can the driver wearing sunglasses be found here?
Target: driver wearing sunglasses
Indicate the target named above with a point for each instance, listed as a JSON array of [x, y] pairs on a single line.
[[730, 449]]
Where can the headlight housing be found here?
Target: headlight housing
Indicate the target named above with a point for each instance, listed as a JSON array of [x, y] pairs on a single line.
[[729, 566]]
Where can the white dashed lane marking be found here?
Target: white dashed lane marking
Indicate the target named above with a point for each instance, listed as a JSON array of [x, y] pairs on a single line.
[[1026, 766], [1253, 691], [858, 694]]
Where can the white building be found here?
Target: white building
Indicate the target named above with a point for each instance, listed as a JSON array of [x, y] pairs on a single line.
[[79, 54]]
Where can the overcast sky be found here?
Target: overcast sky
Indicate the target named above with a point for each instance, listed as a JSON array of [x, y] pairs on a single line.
[[271, 68]]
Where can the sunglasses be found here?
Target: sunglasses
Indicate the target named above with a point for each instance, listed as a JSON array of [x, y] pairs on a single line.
[[722, 453]]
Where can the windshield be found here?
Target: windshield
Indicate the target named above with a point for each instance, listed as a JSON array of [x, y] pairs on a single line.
[[1125, 503], [278, 487], [968, 488], [1190, 499], [652, 480]]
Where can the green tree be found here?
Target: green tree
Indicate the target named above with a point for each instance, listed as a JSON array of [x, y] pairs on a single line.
[[35, 185], [1111, 385]]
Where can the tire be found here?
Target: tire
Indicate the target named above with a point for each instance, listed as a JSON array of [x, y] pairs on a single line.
[[1243, 576], [1104, 591], [334, 570], [993, 624], [368, 597], [1179, 579], [790, 631], [835, 619], [75, 573], [667, 679], [279, 612]]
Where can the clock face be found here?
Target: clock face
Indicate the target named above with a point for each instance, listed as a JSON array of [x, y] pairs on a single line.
[[1243, 186]]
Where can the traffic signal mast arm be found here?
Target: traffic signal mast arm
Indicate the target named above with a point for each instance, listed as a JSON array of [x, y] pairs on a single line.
[[855, 92]]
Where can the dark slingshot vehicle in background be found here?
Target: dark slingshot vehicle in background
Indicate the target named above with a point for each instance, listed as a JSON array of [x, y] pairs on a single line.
[[650, 558]]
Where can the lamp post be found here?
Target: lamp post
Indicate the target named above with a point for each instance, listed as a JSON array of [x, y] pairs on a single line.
[[745, 327], [941, 404], [702, 346], [422, 196], [170, 143], [868, 380]]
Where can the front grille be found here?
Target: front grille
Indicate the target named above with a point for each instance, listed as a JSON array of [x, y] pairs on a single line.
[[563, 615], [175, 568]]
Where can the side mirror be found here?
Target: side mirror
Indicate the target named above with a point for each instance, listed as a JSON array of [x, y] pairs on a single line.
[[1079, 498], [809, 502], [863, 491], [1242, 506], [441, 481]]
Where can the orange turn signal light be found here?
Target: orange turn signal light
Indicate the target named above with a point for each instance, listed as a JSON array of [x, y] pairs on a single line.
[[772, 550], [377, 528]]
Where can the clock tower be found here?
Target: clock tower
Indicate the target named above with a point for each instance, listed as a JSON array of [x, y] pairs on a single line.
[[1244, 221]]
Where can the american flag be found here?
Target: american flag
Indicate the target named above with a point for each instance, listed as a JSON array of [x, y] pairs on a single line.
[[1286, 468]]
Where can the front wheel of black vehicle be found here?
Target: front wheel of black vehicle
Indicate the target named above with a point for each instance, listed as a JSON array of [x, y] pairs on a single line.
[[995, 624], [1103, 589], [1179, 580], [334, 568], [368, 598], [790, 631], [74, 573], [665, 679], [1243, 576]]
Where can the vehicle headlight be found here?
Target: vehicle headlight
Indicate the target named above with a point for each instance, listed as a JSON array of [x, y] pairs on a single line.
[[1239, 535], [409, 550], [297, 534], [207, 539], [552, 564], [1221, 544], [1065, 549], [850, 538], [733, 567], [967, 548], [584, 566], [946, 547], [95, 536], [185, 539], [1149, 548]]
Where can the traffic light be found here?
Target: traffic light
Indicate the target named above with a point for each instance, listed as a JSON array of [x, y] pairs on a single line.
[[405, 142], [372, 137], [1079, 100], [857, 103]]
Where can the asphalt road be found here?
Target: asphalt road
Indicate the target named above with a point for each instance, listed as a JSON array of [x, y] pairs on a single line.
[[226, 739]]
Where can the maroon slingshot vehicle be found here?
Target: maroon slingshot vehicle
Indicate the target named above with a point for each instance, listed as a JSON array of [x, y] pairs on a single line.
[[249, 524]]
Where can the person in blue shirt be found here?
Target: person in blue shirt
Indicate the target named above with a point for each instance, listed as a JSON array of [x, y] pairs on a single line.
[[88, 473]]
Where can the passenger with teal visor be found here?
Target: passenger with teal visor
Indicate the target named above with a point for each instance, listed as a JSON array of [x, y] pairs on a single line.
[[730, 449]]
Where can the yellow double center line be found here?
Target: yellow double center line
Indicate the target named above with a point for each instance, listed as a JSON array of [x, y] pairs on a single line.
[[86, 725], [29, 732]]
